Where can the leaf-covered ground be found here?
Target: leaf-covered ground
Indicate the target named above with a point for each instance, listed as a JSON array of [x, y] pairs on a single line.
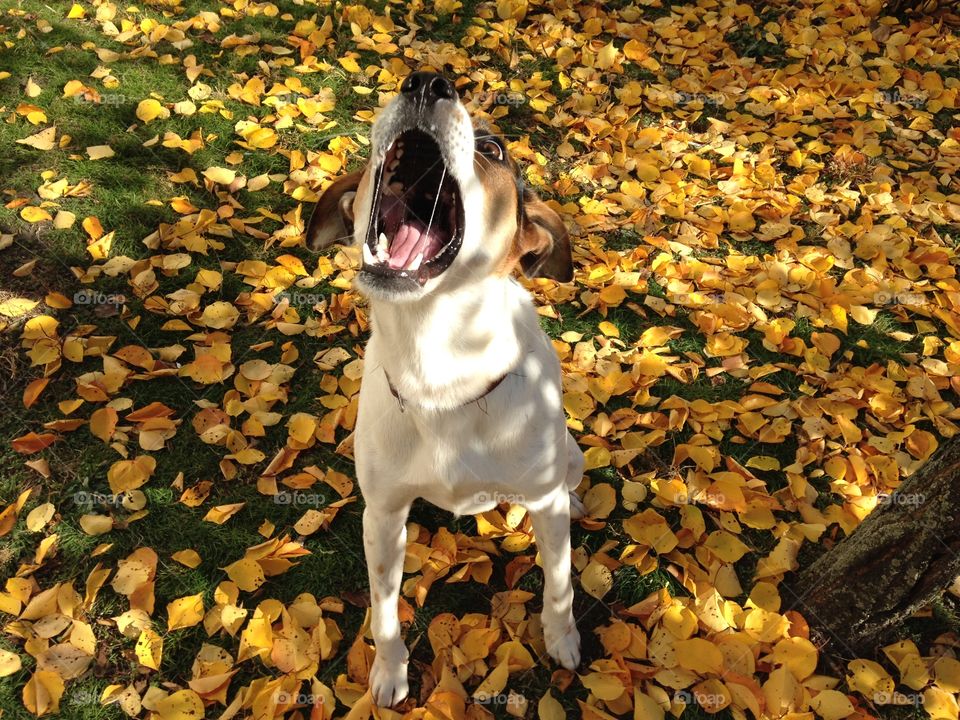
[[762, 340]]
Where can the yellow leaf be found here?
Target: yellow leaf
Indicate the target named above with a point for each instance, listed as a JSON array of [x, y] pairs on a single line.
[[9, 663], [64, 219], [149, 649], [494, 683], [185, 612], [42, 693], [94, 524], [76, 12], [645, 707], [699, 655], [149, 110], [947, 674], [190, 558], [798, 654], [99, 152], [34, 214], [262, 138], [726, 546], [763, 462], [17, 306], [130, 474], [25, 269], [699, 166], [869, 679], [248, 456], [43, 140], [940, 705], [549, 708], [609, 329], [832, 705], [219, 315], [221, 513], [600, 500], [40, 516], [223, 176], [93, 227], [596, 457], [596, 579], [863, 314], [349, 64], [246, 573], [33, 390], [648, 172], [181, 705], [741, 219], [103, 423], [605, 686]]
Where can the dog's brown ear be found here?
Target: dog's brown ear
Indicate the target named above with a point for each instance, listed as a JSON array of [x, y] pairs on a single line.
[[332, 217], [543, 241]]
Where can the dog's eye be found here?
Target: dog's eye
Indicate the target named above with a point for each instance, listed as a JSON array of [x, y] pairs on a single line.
[[490, 148]]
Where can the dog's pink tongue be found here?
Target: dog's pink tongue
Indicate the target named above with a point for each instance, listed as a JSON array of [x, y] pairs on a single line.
[[410, 240]]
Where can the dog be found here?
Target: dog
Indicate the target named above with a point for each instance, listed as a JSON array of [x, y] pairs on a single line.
[[461, 402]]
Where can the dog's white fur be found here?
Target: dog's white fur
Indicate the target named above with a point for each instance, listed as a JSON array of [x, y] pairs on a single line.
[[441, 348]]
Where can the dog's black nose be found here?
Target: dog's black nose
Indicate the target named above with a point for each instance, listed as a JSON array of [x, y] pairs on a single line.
[[428, 87]]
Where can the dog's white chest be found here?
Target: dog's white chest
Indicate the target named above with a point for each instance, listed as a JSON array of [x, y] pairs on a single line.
[[465, 461]]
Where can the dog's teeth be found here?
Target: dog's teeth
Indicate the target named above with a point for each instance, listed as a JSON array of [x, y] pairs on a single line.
[[382, 248], [396, 187], [415, 265], [368, 257]]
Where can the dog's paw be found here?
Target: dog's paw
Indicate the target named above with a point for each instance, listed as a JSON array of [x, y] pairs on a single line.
[[388, 680], [577, 508], [565, 648]]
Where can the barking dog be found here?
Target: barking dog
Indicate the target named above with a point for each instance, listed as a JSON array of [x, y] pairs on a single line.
[[461, 400]]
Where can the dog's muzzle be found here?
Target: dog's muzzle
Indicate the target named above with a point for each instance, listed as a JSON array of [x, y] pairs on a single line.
[[416, 212]]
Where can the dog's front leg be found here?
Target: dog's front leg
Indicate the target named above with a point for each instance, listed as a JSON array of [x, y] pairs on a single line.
[[551, 527], [385, 543]]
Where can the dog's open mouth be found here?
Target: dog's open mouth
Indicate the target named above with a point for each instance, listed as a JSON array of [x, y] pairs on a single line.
[[417, 213]]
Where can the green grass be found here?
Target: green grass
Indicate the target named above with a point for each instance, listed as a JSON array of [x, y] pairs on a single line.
[[123, 189]]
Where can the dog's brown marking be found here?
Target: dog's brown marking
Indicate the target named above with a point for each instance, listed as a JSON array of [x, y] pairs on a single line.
[[332, 218], [532, 235]]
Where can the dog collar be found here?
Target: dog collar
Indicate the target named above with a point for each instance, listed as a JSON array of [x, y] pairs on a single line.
[[490, 388]]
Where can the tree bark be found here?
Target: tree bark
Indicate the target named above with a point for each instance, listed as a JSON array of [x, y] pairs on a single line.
[[914, 7], [902, 557]]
